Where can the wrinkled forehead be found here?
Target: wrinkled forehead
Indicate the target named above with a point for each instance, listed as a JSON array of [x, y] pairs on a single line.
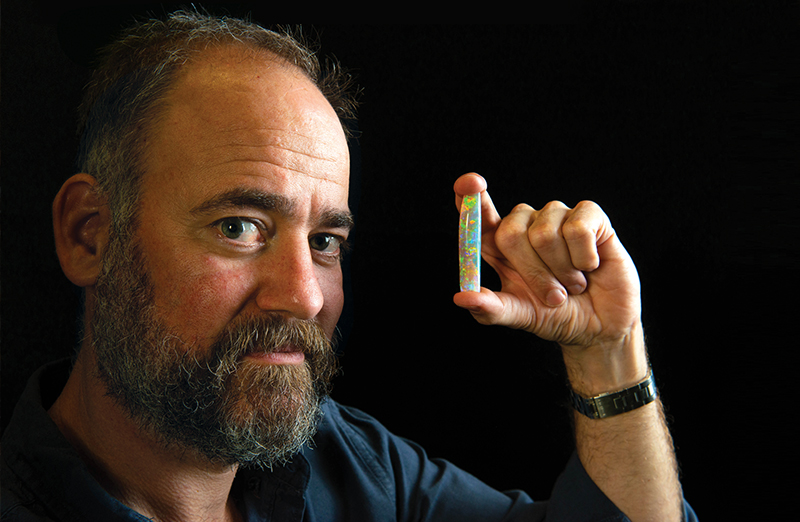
[[234, 85], [244, 119], [228, 99]]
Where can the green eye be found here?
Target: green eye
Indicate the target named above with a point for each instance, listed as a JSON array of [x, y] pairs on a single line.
[[239, 229], [325, 243]]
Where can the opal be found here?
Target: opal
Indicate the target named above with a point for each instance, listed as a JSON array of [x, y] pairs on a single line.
[[469, 244]]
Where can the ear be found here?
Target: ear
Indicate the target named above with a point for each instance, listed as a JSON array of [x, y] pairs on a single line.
[[81, 221]]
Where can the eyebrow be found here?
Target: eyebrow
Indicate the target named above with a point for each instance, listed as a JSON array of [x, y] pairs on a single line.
[[268, 202], [337, 219]]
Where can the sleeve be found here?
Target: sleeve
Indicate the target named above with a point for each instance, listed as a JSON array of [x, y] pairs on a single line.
[[400, 475], [577, 498]]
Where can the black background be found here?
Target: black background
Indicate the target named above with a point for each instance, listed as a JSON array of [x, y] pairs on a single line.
[[678, 118]]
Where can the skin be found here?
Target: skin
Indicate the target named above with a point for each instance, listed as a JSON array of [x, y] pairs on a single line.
[[239, 123], [258, 127], [220, 133]]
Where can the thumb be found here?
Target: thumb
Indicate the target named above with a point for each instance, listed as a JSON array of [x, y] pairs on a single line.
[[493, 308]]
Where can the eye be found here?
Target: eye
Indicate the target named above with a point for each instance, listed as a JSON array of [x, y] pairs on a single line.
[[325, 243], [239, 229]]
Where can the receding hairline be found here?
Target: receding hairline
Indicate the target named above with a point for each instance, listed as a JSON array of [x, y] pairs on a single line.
[[220, 50], [184, 36], [124, 101]]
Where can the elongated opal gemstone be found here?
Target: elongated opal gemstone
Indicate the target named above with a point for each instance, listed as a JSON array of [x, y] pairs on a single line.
[[469, 244]]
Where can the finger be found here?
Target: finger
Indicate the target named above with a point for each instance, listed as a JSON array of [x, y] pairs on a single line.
[[586, 228], [546, 236], [512, 241], [496, 308], [490, 219], [475, 184], [486, 307], [471, 183]]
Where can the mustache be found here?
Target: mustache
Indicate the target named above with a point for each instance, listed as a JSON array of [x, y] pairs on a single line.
[[273, 333]]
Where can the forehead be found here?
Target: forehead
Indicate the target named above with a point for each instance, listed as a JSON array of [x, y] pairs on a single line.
[[241, 116]]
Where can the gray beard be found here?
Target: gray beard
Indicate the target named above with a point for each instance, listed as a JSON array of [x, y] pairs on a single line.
[[206, 399]]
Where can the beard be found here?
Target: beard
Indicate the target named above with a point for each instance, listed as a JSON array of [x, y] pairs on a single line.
[[209, 400]]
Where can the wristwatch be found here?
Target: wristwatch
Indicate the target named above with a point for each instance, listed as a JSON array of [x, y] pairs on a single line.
[[613, 403]]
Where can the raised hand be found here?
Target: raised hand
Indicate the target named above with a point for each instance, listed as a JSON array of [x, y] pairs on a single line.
[[565, 275]]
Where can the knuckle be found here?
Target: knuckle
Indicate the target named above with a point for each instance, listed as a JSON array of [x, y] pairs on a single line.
[[554, 205], [587, 205], [541, 236], [508, 234], [577, 229]]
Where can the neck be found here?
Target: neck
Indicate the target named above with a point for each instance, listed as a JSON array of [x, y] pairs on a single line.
[[162, 483]]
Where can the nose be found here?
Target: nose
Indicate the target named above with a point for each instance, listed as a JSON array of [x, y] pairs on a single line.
[[289, 283]]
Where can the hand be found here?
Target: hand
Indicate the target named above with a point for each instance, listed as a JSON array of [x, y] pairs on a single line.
[[565, 275]]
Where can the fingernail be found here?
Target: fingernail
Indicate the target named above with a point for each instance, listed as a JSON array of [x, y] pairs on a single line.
[[556, 296], [575, 289]]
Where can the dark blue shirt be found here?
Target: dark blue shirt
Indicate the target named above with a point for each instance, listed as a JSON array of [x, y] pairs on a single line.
[[355, 471]]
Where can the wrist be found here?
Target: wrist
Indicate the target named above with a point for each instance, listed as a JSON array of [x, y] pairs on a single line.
[[611, 404], [609, 366]]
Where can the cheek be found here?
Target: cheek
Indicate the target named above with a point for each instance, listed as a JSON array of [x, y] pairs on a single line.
[[331, 285], [200, 300]]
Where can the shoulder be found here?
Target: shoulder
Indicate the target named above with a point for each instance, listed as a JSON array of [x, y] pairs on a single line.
[[364, 434], [350, 434], [17, 505], [355, 449], [338, 418], [33, 449]]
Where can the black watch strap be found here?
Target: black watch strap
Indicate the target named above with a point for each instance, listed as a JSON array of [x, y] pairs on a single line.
[[613, 403]]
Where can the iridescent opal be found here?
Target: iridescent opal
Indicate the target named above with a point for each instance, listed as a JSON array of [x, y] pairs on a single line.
[[469, 244]]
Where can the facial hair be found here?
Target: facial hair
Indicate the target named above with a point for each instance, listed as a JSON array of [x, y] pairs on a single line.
[[209, 400]]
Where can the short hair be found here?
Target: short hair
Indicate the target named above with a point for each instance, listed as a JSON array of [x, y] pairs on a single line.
[[134, 73]]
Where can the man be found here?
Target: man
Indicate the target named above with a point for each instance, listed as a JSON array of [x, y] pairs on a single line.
[[207, 229]]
